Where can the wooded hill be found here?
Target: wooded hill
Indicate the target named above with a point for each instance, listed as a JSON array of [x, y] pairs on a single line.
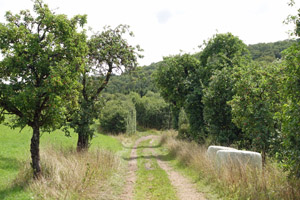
[[140, 80]]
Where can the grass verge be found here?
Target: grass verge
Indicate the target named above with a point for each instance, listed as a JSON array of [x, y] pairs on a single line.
[[231, 184]]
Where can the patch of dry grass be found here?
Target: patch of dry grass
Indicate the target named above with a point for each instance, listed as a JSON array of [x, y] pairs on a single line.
[[67, 174], [233, 183]]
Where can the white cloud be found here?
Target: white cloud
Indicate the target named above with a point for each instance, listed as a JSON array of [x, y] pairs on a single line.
[[163, 16]]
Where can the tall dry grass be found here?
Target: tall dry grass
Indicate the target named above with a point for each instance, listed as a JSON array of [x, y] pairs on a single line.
[[67, 174], [234, 183]]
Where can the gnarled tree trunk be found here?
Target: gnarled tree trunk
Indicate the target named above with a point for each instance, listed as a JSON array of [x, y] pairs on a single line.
[[35, 150], [83, 142]]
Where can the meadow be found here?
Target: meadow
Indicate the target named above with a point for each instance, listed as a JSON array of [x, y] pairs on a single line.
[[15, 156]]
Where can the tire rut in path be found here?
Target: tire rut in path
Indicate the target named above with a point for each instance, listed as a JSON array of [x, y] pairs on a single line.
[[132, 168], [185, 188]]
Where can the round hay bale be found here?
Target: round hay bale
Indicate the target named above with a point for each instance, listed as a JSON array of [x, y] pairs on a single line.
[[237, 158], [212, 151]]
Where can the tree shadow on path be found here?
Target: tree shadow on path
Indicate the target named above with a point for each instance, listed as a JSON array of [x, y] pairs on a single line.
[[162, 157]]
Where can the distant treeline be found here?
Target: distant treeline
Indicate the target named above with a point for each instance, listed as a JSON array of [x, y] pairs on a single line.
[[269, 51]]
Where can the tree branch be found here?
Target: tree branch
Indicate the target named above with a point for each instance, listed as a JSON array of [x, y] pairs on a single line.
[[105, 82], [44, 102], [84, 86], [10, 108]]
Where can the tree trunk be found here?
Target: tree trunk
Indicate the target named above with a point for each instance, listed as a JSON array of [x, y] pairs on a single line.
[[82, 127], [35, 150], [83, 142]]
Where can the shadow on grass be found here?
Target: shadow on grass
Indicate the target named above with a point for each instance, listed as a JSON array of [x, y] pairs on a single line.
[[142, 147], [10, 164], [165, 157], [14, 192]]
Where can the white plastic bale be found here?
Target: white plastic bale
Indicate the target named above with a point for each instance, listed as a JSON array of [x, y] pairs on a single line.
[[237, 158], [212, 151]]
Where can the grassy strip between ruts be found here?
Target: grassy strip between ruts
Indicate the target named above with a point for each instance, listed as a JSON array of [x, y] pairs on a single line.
[[14, 153], [152, 181]]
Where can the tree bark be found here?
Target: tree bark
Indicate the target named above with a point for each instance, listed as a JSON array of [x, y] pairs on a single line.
[[82, 128], [83, 142], [35, 150]]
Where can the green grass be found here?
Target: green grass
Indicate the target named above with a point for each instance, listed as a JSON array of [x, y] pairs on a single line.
[[15, 150], [152, 181]]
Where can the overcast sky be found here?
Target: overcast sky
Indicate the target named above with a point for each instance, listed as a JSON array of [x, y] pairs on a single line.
[[166, 27]]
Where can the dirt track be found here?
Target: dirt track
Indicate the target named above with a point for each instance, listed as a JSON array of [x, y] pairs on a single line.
[[185, 189]]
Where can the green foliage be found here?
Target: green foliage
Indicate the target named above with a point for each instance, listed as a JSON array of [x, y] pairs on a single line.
[[182, 78], [118, 117], [290, 92], [175, 116], [221, 51], [176, 77], [131, 120], [194, 109], [291, 96], [152, 111], [183, 124], [139, 80], [217, 114], [269, 52], [42, 56], [172, 77], [255, 104]]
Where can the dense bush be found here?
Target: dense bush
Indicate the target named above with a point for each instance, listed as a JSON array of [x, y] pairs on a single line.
[[183, 124], [290, 92], [217, 113], [255, 104], [152, 111], [123, 112], [118, 116], [179, 81]]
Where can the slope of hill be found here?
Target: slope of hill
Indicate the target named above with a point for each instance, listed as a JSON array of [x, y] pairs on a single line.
[[269, 51]]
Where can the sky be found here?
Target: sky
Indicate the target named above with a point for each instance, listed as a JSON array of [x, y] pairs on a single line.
[[169, 27]]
